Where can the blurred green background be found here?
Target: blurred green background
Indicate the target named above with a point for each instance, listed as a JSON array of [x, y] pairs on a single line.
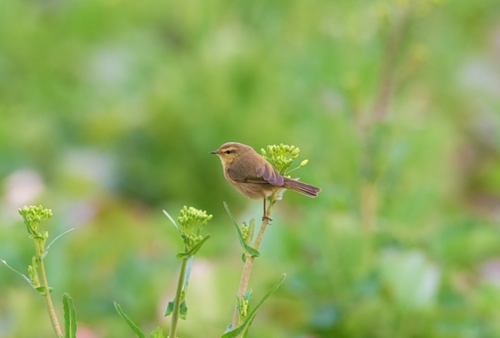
[[109, 109]]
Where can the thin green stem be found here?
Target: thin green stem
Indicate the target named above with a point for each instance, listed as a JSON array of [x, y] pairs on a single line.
[[247, 268], [46, 295], [289, 171], [178, 300]]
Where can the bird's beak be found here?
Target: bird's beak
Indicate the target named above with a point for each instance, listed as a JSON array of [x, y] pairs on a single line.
[[216, 152]]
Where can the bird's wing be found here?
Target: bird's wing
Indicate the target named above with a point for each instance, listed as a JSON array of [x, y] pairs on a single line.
[[264, 174], [270, 175]]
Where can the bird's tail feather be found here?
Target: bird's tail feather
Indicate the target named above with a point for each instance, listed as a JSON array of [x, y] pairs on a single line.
[[303, 188]]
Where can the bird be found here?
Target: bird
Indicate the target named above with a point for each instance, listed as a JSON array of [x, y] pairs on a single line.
[[255, 177]]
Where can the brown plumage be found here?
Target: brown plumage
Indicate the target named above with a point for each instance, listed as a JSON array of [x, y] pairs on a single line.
[[253, 176]]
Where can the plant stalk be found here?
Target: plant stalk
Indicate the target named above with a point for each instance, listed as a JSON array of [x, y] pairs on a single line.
[[247, 268], [46, 294], [178, 300]]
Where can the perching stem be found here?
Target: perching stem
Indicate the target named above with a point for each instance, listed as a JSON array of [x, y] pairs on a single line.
[[247, 268], [46, 294], [178, 300]]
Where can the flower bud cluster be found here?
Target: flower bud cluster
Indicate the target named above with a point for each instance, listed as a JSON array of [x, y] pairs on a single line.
[[281, 156], [33, 216], [245, 231], [244, 305], [191, 222]]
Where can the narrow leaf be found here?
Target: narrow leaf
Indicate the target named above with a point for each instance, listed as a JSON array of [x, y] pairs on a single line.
[[198, 245], [170, 309], [251, 251], [248, 295], [194, 249], [19, 274], [55, 239], [69, 317], [183, 310], [243, 328], [138, 332], [171, 219]]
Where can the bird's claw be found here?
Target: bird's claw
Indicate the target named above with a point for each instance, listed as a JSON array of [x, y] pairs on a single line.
[[266, 217]]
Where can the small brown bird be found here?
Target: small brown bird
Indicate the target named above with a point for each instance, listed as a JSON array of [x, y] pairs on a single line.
[[253, 176]]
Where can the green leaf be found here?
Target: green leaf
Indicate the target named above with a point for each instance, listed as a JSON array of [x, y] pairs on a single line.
[[158, 333], [243, 328], [171, 220], [69, 317], [251, 251], [183, 310], [53, 241], [138, 332], [170, 309], [43, 290], [248, 295], [19, 274], [194, 249]]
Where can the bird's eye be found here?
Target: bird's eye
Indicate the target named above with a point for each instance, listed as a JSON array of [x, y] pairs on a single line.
[[228, 152]]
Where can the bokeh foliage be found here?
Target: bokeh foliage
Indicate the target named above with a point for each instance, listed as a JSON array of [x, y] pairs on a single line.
[[114, 107]]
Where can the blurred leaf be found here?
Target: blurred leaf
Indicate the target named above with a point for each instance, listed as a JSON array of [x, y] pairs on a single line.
[[170, 309], [194, 249], [248, 295], [171, 220], [130, 323], [182, 311], [244, 327], [43, 290], [53, 241], [158, 333], [251, 251], [69, 317], [19, 274]]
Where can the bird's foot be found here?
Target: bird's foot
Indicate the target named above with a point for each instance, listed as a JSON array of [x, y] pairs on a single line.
[[266, 217]]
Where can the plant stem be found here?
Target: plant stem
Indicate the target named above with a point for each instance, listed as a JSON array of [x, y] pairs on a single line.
[[178, 300], [385, 90], [369, 205], [247, 268], [46, 295]]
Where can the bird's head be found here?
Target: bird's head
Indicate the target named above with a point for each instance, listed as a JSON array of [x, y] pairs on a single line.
[[229, 152]]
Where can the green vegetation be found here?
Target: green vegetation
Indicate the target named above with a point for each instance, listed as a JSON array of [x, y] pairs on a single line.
[[108, 112]]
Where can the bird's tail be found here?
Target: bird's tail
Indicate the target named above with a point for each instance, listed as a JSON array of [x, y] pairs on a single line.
[[303, 188]]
